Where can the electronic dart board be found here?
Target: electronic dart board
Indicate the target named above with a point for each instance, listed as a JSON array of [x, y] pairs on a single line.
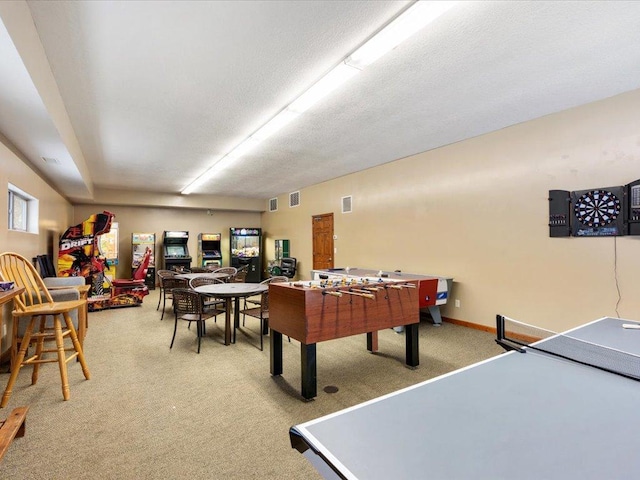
[[597, 212]]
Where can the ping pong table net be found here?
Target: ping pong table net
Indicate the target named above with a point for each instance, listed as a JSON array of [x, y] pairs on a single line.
[[514, 335]]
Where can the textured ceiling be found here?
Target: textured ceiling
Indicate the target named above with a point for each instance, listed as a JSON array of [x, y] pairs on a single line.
[[156, 91]]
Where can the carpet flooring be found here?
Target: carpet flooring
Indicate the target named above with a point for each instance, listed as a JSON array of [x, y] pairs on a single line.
[[149, 412]]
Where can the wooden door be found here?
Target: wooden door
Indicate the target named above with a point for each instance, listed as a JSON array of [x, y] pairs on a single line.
[[322, 241]]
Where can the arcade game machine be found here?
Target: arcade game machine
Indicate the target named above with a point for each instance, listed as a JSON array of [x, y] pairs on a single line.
[[79, 252], [139, 244], [246, 249], [80, 256], [209, 250], [108, 248], [176, 251]]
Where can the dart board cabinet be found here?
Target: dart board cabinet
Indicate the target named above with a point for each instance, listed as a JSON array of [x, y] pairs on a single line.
[[598, 212], [559, 213]]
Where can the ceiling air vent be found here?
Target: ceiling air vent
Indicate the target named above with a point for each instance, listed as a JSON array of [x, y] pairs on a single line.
[[347, 204], [51, 161], [294, 199], [273, 204]]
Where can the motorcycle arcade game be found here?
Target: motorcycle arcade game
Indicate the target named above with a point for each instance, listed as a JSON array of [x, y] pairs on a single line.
[[79, 256]]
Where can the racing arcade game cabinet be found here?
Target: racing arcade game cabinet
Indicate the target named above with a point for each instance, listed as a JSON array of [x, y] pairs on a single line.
[[246, 249], [176, 252], [140, 242]]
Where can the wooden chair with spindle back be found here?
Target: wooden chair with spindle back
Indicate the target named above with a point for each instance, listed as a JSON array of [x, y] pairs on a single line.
[[55, 324]]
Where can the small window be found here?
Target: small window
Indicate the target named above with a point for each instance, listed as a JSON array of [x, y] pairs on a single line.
[[23, 211]]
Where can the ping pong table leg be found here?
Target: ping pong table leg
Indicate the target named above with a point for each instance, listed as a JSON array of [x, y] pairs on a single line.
[[276, 353], [411, 339], [308, 367]]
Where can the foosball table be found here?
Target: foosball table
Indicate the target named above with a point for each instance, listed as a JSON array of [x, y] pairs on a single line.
[[315, 311], [433, 290]]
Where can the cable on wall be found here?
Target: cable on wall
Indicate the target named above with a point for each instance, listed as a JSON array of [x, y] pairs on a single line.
[[615, 272]]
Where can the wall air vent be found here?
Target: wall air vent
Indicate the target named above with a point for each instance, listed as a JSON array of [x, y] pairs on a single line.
[[273, 204], [347, 204], [294, 199]]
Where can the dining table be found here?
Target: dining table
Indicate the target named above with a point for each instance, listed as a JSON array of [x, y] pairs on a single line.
[[231, 293], [216, 275]]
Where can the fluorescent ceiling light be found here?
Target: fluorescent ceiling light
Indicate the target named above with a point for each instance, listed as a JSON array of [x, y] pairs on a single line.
[[245, 147], [406, 24], [200, 180], [323, 87], [275, 124], [410, 21]]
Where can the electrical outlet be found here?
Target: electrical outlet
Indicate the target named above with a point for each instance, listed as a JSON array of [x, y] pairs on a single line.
[[457, 303]]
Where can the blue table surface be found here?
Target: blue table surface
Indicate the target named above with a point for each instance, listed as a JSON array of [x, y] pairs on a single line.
[[523, 415]]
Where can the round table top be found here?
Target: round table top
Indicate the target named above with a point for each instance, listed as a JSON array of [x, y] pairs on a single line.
[[189, 276], [232, 289]]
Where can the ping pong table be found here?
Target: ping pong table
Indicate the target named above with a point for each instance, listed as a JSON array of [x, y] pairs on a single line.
[[517, 415]]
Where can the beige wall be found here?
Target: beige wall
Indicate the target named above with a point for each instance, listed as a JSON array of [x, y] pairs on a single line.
[[157, 220], [55, 213], [477, 211]]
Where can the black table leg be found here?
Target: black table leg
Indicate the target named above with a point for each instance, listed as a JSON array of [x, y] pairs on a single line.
[[411, 338], [227, 322], [276, 353], [308, 366], [236, 317]]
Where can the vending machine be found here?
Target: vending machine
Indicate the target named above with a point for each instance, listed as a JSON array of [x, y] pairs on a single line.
[[246, 249], [139, 244], [176, 250], [209, 250]]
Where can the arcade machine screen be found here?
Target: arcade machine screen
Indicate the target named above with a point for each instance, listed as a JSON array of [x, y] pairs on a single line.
[[176, 251]]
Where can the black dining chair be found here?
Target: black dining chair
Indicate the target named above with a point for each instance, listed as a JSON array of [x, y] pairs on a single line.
[[259, 307], [241, 274], [188, 306], [261, 311], [209, 302], [168, 285], [230, 271], [163, 274]]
